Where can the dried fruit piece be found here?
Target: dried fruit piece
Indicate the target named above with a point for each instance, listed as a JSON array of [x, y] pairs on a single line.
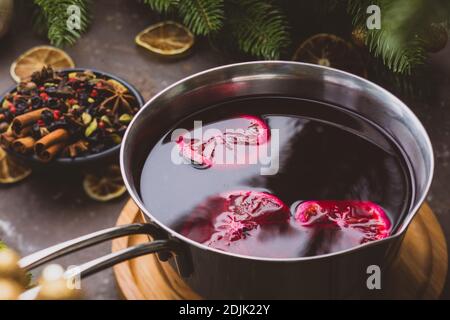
[[11, 171], [105, 185], [125, 118], [37, 58], [166, 38], [86, 117], [91, 128], [366, 218], [331, 51]]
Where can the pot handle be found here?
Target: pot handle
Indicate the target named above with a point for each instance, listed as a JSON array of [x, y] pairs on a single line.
[[41, 257], [109, 260]]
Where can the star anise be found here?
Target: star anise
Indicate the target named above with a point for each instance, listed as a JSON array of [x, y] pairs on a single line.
[[43, 75], [120, 99]]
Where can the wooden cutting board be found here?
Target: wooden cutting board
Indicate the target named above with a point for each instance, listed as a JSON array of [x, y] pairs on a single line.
[[419, 272]]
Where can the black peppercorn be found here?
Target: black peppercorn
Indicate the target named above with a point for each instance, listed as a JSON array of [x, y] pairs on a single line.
[[36, 131], [52, 103], [36, 103], [21, 106], [8, 115], [47, 117], [50, 90]]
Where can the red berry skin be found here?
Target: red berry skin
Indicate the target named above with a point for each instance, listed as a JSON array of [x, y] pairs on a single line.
[[41, 88], [94, 93], [98, 85], [101, 125], [56, 114], [43, 96], [12, 109], [72, 101], [41, 123]]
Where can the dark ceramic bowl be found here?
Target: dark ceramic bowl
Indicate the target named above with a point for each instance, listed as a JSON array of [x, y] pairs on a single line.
[[106, 156]]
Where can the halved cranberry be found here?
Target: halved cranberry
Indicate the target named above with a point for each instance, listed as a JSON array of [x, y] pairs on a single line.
[[365, 217], [231, 216], [201, 153]]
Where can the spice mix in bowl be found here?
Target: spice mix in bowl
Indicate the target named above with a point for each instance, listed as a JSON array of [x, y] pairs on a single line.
[[70, 116]]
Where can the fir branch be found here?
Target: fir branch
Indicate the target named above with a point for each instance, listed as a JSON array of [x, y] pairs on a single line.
[[203, 17], [54, 13], [162, 6], [259, 27], [399, 42]]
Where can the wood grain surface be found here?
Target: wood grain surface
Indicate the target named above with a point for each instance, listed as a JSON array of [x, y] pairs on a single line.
[[418, 273]]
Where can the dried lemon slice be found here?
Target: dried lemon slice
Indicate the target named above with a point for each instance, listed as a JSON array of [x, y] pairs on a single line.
[[38, 57], [331, 51], [166, 38], [104, 186], [11, 170]]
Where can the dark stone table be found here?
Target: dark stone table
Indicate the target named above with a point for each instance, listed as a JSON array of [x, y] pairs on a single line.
[[45, 209]]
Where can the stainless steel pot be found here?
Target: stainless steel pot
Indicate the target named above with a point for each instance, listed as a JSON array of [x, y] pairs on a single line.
[[216, 274]]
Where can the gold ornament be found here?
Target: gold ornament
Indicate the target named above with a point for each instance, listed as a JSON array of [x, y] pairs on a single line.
[[9, 267], [10, 289], [55, 286]]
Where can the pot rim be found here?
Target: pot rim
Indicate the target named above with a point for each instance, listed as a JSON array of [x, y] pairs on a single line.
[[405, 223]]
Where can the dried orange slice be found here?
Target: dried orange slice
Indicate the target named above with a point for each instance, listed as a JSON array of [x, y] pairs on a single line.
[[38, 57], [105, 185], [166, 38], [331, 51], [11, 170]]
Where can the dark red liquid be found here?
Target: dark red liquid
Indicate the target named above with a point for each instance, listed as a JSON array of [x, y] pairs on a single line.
[[334, 189]]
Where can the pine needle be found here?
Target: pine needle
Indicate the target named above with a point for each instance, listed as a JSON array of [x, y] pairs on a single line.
[[203, 17], [400, 41], [162, 6], [259, 27], [53, 14]]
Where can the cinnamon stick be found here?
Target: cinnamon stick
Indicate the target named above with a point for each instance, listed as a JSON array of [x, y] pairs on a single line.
[[6, 139], [55, 137], [77, 147], [48, 154], [23, 145], [25, 132], [26, 119]]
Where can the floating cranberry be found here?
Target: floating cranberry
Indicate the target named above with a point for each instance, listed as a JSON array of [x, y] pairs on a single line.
[[366, 218]]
